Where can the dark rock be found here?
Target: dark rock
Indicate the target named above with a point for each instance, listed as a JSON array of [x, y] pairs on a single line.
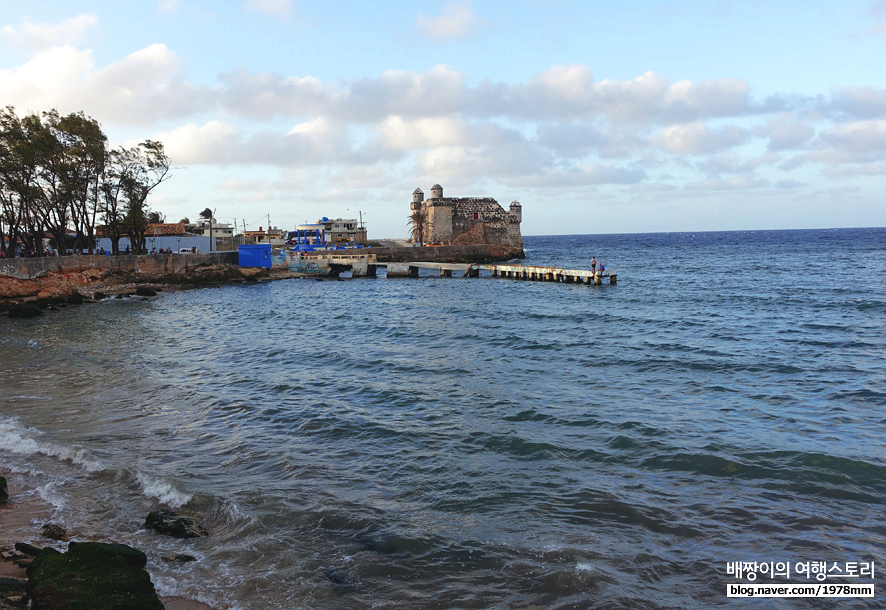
[[119, 296], [91, 576], [144, 291], [4, 490], [75, 298], [336, 577], [167, 522], [23, 310], [27, 549], [99, 296], [180, 559], [53, 531]]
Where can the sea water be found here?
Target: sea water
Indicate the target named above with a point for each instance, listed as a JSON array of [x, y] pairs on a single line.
[[478, 443]]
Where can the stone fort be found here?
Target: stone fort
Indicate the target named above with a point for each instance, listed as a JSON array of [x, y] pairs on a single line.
[[468, 220]]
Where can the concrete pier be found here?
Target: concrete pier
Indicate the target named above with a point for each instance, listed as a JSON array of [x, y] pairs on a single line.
[[365, 264], [547, 274]]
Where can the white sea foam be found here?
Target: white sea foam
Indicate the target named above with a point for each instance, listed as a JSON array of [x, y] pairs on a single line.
[[16, 439], [21, 440], [163, 491]]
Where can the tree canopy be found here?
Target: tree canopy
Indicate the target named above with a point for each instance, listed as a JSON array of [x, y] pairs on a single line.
[[58, 177]]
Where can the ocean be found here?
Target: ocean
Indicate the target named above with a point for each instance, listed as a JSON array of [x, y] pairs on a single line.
[[480, 443]]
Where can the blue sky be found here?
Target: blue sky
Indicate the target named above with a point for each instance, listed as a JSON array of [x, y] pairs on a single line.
[[598, 117]]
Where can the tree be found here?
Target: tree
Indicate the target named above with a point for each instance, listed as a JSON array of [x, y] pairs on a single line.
[[56, 173], [87, 150], [20, 180], [207, 214], [133, 174], [418, 222]]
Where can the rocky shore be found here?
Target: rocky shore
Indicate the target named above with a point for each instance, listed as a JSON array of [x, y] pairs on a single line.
[[28, 297], [95, 574]]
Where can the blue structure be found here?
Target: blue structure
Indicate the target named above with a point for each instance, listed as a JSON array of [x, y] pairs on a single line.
[[257, 255], [307, 237]]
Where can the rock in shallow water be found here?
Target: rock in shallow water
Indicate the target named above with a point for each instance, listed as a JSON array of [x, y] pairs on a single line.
[[23, 310], [91, 576], [167, 522]]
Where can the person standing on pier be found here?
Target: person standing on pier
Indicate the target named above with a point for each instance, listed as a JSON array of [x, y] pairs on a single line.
[[593, 264]]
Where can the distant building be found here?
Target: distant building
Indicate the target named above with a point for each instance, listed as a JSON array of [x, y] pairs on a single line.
[[468, 220], [325, 231], [273, 236], [219, 229], [343, 231]]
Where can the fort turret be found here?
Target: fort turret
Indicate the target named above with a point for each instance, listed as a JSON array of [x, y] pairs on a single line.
[[417, 197], [516, 212]]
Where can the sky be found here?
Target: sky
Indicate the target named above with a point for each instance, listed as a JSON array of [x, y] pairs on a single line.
[[598, 117]]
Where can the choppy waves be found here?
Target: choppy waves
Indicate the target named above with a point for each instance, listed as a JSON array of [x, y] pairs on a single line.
[[440, 443]]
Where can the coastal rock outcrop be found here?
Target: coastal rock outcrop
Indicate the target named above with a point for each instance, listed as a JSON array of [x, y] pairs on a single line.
[[91, 576], [23, 310], [172, 524]]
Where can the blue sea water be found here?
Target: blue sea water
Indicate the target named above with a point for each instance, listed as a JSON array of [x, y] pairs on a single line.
[[479, 443]]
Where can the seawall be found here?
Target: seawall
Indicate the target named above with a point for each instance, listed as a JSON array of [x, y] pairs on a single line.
[[150, 265]]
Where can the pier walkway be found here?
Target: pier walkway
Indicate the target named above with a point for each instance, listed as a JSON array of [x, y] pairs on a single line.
[[517, 272], [365, 265]]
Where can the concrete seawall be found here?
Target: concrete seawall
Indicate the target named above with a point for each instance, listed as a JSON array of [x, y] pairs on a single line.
[[33, 268]]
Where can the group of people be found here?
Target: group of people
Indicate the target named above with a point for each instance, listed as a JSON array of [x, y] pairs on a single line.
[[594, 266]]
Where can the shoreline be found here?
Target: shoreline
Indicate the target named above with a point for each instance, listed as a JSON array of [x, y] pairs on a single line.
[[57, 287], [22, 516]]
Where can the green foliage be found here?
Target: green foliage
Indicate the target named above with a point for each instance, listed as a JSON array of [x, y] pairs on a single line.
[[57, 174], [418, 222]]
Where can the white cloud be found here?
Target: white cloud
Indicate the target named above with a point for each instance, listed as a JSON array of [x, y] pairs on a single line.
[[39, 36], [711, 98], [734, 183], [271, 8], [859, 142], [732, 163], [786, 131], [413, 134], [859, 137], [698, 138], [145, 86], [266, 96], [439, 91], [189, 144], [48, 80], [790, 184], [168, 6], [312, 143], [456, 20], [861, 102]]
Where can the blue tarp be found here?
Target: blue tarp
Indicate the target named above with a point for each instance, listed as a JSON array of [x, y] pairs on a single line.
[[257, 255]]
